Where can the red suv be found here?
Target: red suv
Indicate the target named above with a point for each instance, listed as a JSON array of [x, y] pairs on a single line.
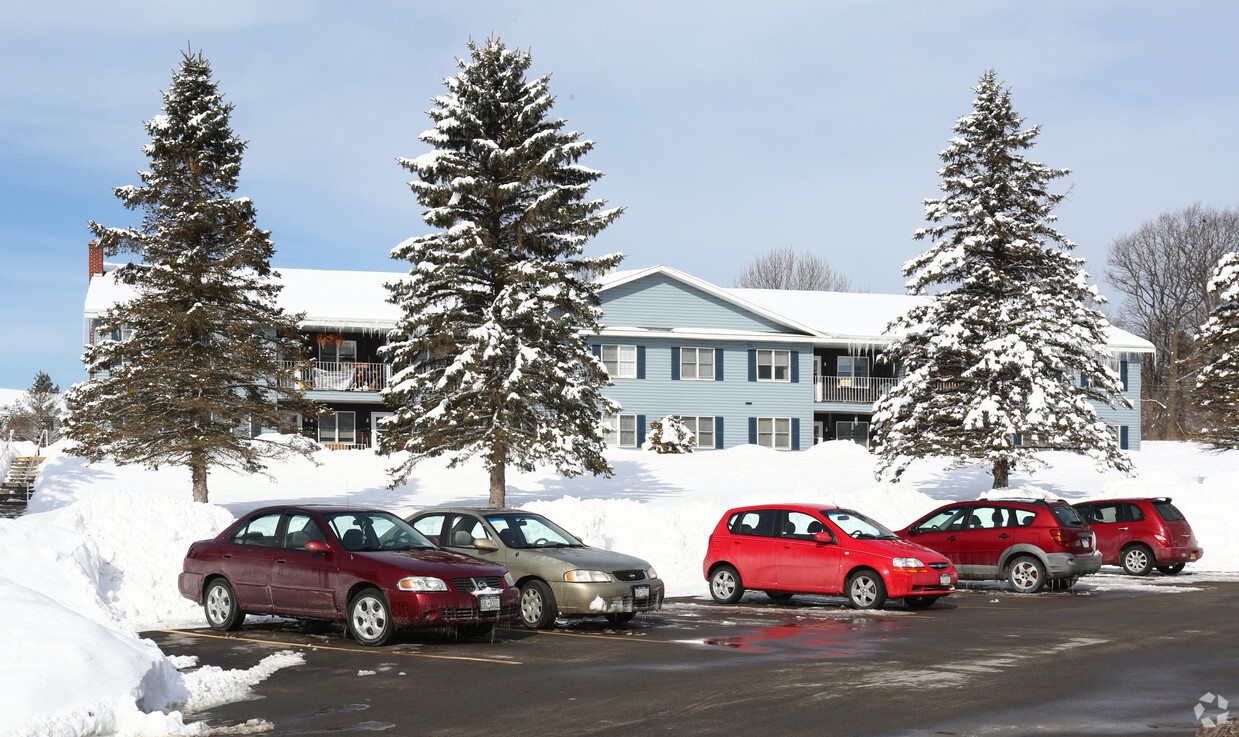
[[788, 549], [1031, 543], [1140, 534]]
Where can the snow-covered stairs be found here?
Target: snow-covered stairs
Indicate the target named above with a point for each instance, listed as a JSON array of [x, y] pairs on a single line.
[[22, 473]]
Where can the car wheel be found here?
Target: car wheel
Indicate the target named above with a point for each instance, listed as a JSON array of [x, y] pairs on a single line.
[[779, 596], [1137, 560], [725, 585], [920, 602], [1026, 575], [1062, 584], [620, 617], [219, 604], [538, 608], [369, 619], [865, 590], [481, 630], [1171, 569]]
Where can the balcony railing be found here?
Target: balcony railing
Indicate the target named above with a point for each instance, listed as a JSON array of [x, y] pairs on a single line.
[[345, 376], [851, 389]]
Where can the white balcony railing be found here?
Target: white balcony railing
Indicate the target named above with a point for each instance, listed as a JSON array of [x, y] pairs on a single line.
[[851, 389], [345, 376]]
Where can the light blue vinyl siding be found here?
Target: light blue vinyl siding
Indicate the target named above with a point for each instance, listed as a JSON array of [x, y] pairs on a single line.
[[658, 301], [735, 399], [1122, 417]]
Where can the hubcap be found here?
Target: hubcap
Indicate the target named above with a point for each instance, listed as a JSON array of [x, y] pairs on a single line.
[[724, 584], [1025, 576], [219, 604], [864, 591], [1137, 560], [369, 618], [531, 605]]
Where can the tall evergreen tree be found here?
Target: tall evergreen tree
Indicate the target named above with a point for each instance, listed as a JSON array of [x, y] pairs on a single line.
[[1001, 362], [199, 353], [489, 358], [39, 411], [1218, 383]]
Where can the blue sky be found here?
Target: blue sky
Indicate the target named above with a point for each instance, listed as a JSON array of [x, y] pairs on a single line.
[[724, 128]]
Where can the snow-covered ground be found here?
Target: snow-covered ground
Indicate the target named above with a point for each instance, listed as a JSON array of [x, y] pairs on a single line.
[[95, 560]]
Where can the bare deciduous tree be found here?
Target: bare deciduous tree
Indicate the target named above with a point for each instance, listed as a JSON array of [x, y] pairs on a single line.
[[783, 268], [1163, 271]]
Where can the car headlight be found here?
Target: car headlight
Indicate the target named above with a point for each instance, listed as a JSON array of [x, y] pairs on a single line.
[[508, 581], [421, 583], [908, 563], [582, 576], [651, 572]]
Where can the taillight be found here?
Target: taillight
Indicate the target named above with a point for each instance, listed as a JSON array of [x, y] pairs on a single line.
[[1059, 536]]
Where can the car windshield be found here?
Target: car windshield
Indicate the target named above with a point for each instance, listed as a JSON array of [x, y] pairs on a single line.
[[1067, 515], [520, 530], [362, 531], [858, 526]]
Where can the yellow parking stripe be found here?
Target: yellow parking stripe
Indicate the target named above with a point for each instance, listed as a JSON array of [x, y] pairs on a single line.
[[371, 651]]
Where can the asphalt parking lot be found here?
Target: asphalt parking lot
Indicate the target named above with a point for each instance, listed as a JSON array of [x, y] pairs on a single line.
[[1117, 657]]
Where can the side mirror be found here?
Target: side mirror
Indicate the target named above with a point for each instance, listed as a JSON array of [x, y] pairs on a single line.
[[824, 537], [317, 546], [482, 543], [912, 531]]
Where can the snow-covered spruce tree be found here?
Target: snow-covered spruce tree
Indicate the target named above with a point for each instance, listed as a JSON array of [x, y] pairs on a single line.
[[38, 411], [1218, 382], [202, 340], [994, 360], [490, 359], [670, 435]]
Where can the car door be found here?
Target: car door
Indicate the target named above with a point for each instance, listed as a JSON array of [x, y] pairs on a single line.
[[983, 538], [756, 547], [1110, 531], [303, 582], [804, 564], [247, 562], [940, 532]]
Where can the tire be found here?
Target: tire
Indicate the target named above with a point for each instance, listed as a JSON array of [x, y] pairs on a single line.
[[1062, 584], [620, 617], [865, 590], [1171, 570], [538, 607], [1026, 575], [369, 618], [1137, 560], [220, 606], [725, 585], [779, 596], [481, 630], [920, 602]]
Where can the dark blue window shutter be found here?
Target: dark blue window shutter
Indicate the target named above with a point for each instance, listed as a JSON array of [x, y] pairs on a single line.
[[675, 363], [1123, 373], [1017, 440], [752, 364], [795, 367], [1083, 380], [596, 350], [1123, 437], [640, 362], [640, 430], [718, 433], [718, 364], [752, 431], [795, 428]]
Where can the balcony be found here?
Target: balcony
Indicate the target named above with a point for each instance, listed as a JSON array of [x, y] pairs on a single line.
[[346, 376], [851, 389]]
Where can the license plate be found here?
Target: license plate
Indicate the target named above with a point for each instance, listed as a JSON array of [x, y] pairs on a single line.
[[1085, 542], [488, 602], [640, 592], [945, 579]]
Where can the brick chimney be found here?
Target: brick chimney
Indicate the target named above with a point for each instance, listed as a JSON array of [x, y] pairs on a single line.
[[95, 258]]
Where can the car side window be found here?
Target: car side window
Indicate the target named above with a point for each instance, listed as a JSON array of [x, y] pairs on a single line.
[[461, 529], [1134, 513], [1025, 517], [431, 526], [801, 526], [759, 523], [1087, 512], [300, 529], [1105, 513], [943, 521], [260, 531], [986, 518]]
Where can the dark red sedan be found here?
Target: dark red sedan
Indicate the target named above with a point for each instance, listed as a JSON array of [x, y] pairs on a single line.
[[364, 566]]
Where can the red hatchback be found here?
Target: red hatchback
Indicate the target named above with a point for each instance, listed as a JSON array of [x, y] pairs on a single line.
[[788, 549], [364, 566], [1140, 534]]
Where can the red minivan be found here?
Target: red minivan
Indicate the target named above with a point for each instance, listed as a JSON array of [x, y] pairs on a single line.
[[788, 549], [1140, 534]]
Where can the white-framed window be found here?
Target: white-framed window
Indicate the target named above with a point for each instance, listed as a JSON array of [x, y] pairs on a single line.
[[620, 430], [853, 371], [774, 365], [703, 428], [337, 427], [774, 432], [346, 350], [697, 364], [620, 361]]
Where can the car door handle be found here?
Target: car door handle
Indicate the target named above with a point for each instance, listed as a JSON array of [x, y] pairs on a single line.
[[952, 538], [227, 555], [1122, 528], [280, 560], [1003, 536]]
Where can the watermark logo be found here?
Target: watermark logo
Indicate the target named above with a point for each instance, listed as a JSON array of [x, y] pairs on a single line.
[[1205, 704]]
